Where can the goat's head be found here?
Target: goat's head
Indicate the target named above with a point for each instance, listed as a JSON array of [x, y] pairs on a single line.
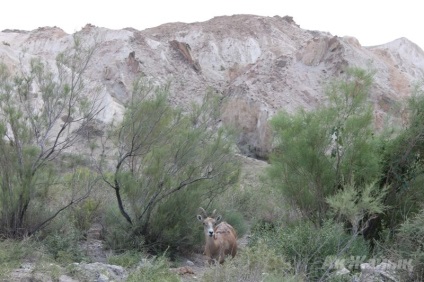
[[209, 222]]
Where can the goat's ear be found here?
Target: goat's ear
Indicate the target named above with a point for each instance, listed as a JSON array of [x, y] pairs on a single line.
[[199, 217], [218, 218]]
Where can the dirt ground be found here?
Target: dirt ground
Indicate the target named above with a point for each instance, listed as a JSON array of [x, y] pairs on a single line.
[[194, 266]]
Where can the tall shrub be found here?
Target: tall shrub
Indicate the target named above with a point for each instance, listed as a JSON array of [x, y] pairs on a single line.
[[320, 152], [42, 107], [162, 152]]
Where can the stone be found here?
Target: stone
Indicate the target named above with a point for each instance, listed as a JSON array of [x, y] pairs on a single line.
[[259, 65]]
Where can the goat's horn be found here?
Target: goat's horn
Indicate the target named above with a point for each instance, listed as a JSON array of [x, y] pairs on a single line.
[[203, 212], [213, 213]]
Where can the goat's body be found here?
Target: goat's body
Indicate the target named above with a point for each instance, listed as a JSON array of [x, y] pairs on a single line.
[[222, 243], [221, 239]]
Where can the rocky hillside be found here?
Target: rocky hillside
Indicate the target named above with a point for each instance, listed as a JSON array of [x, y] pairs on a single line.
[[261, 64]]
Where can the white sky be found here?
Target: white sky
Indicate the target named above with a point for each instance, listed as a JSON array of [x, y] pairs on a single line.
[[372, 22]]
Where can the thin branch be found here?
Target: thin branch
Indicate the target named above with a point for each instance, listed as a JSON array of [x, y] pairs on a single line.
[[40, 225]]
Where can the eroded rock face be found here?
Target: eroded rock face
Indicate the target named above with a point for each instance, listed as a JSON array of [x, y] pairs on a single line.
[[259, 64], [250, 118]]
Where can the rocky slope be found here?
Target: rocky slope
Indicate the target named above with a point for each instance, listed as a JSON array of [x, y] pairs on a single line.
[[261, 64]]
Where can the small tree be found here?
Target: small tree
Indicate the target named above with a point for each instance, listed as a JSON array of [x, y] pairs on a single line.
[[41, 110], [319, 153], [162, 151]]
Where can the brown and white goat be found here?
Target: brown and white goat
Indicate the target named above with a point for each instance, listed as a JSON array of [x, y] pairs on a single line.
[[221, 239]]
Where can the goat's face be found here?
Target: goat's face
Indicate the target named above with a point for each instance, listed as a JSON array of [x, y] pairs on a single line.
[[209, 224]]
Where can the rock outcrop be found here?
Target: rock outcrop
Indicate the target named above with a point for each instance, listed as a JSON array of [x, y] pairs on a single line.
[[260, 65]]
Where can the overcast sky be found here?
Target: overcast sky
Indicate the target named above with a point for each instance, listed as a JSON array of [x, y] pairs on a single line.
[[372, 22]]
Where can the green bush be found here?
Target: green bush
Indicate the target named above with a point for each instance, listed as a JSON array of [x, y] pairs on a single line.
[[119, 235], [245, 204], [156, 270], [318, 152], [408, 245], [307, 247], [404, 165], [256, 263], [235, 219], [13, 253], [174, 225], [254, 197], [167, 162], [127, 259], [84, 214], [64, 247]]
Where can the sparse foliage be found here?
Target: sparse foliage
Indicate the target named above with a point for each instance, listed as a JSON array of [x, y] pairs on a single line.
[[41, 108], [162, 151], [353, 204]]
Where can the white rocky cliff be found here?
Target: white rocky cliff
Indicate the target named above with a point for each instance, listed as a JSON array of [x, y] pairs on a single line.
[[261, 64]]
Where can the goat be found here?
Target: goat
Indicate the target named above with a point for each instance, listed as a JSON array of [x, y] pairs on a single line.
[[221, 239]]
